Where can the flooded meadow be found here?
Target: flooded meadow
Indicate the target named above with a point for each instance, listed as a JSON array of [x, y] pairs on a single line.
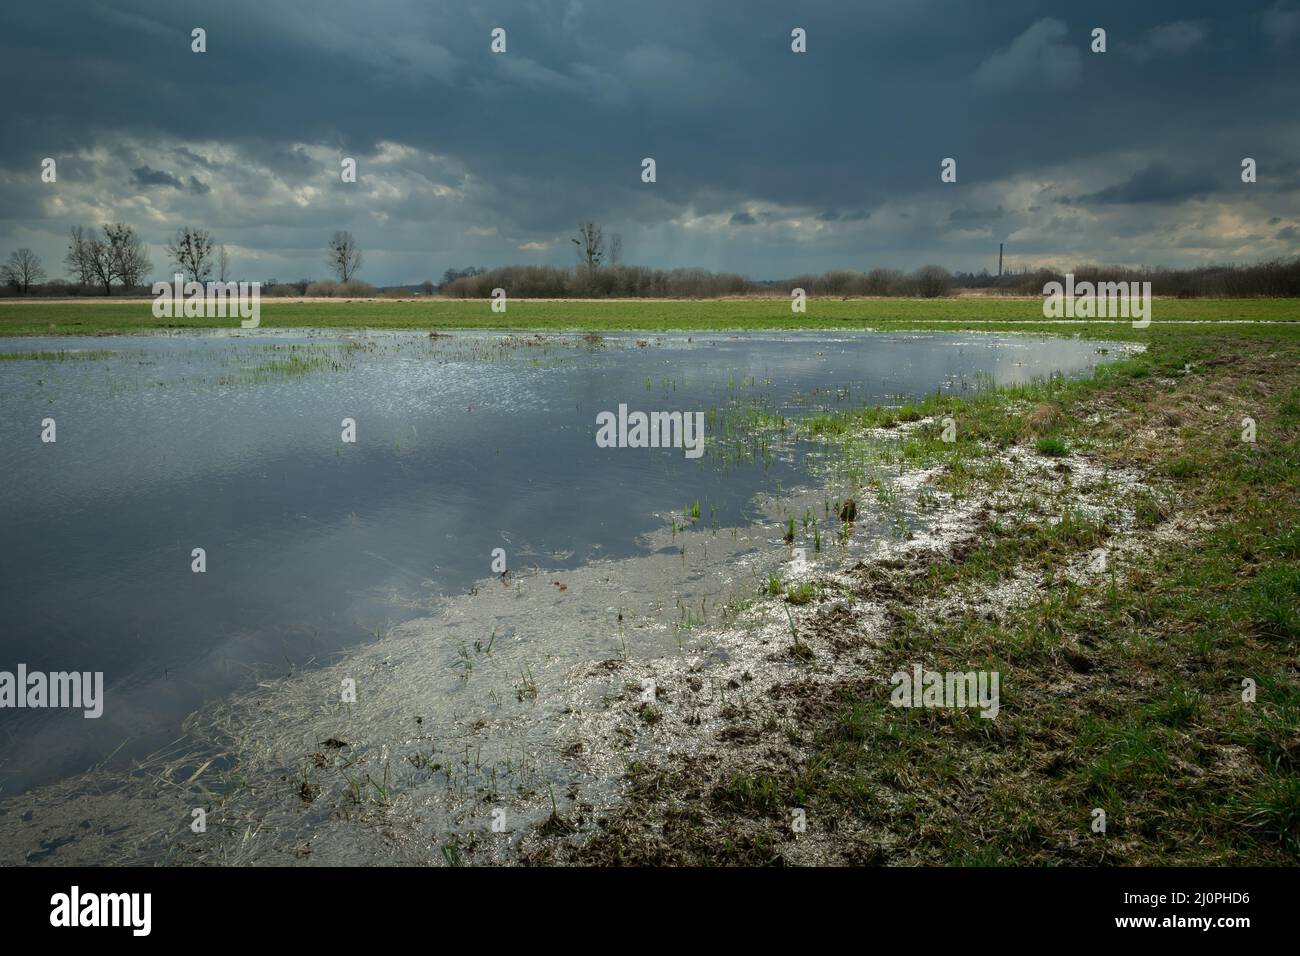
[[352, 593]]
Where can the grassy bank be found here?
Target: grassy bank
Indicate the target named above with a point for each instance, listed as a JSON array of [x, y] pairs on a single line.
[[105, 317], [1122, 691]]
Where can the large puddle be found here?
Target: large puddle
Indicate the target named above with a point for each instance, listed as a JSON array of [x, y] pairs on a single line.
[[465, 443]]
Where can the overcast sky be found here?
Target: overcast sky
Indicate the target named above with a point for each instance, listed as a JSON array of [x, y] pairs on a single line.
[[769, 163]]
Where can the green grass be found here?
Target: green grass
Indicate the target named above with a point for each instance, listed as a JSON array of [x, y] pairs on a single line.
[[1169, 640], [291, 362], [1052, 446], [57, 355], [803, 593], [94, 316]]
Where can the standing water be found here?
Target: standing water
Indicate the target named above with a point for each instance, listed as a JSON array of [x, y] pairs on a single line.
[[464, 443]]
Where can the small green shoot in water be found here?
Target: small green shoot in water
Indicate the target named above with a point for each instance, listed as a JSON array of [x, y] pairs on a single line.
[[527, 688], [798, 649]]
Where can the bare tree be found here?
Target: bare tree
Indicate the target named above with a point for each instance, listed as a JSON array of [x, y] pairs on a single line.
[[76, 261], [191, 250], [128, 257], [615, 249], [590, 241], [344, 255], [91, 256], [223, 263], [119, 256], [23, 268]]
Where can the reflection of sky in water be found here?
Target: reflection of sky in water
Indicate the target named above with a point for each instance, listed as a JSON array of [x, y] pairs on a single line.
[[312, 544]]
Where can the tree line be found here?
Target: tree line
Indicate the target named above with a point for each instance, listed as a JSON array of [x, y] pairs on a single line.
[[1272, 279], [1276, 278], [118, 258]]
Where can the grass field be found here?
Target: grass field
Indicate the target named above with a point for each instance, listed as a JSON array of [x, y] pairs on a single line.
[[105, 316]]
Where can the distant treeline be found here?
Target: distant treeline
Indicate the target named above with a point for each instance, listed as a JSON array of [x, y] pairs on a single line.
[[605, 282], [635, 282], [1274, 279], [1278, 278], [61, 288], [327, 288]]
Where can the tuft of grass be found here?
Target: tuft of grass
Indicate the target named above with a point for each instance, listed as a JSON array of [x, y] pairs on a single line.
[[1043, 419], [1183, 468], [1178, 708], [1273, 811], [1053, 446], [1273, 602], [802, 593]]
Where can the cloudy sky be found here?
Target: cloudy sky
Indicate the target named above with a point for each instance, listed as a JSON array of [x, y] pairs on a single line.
[[769, 163]]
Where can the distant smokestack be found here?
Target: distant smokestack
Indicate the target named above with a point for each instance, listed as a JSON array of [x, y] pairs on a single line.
[[999, 260]]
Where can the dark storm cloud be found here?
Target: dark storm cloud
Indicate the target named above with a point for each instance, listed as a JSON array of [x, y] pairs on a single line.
[[155, 177], [465, 157], [1157, 183], [146, 176]]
